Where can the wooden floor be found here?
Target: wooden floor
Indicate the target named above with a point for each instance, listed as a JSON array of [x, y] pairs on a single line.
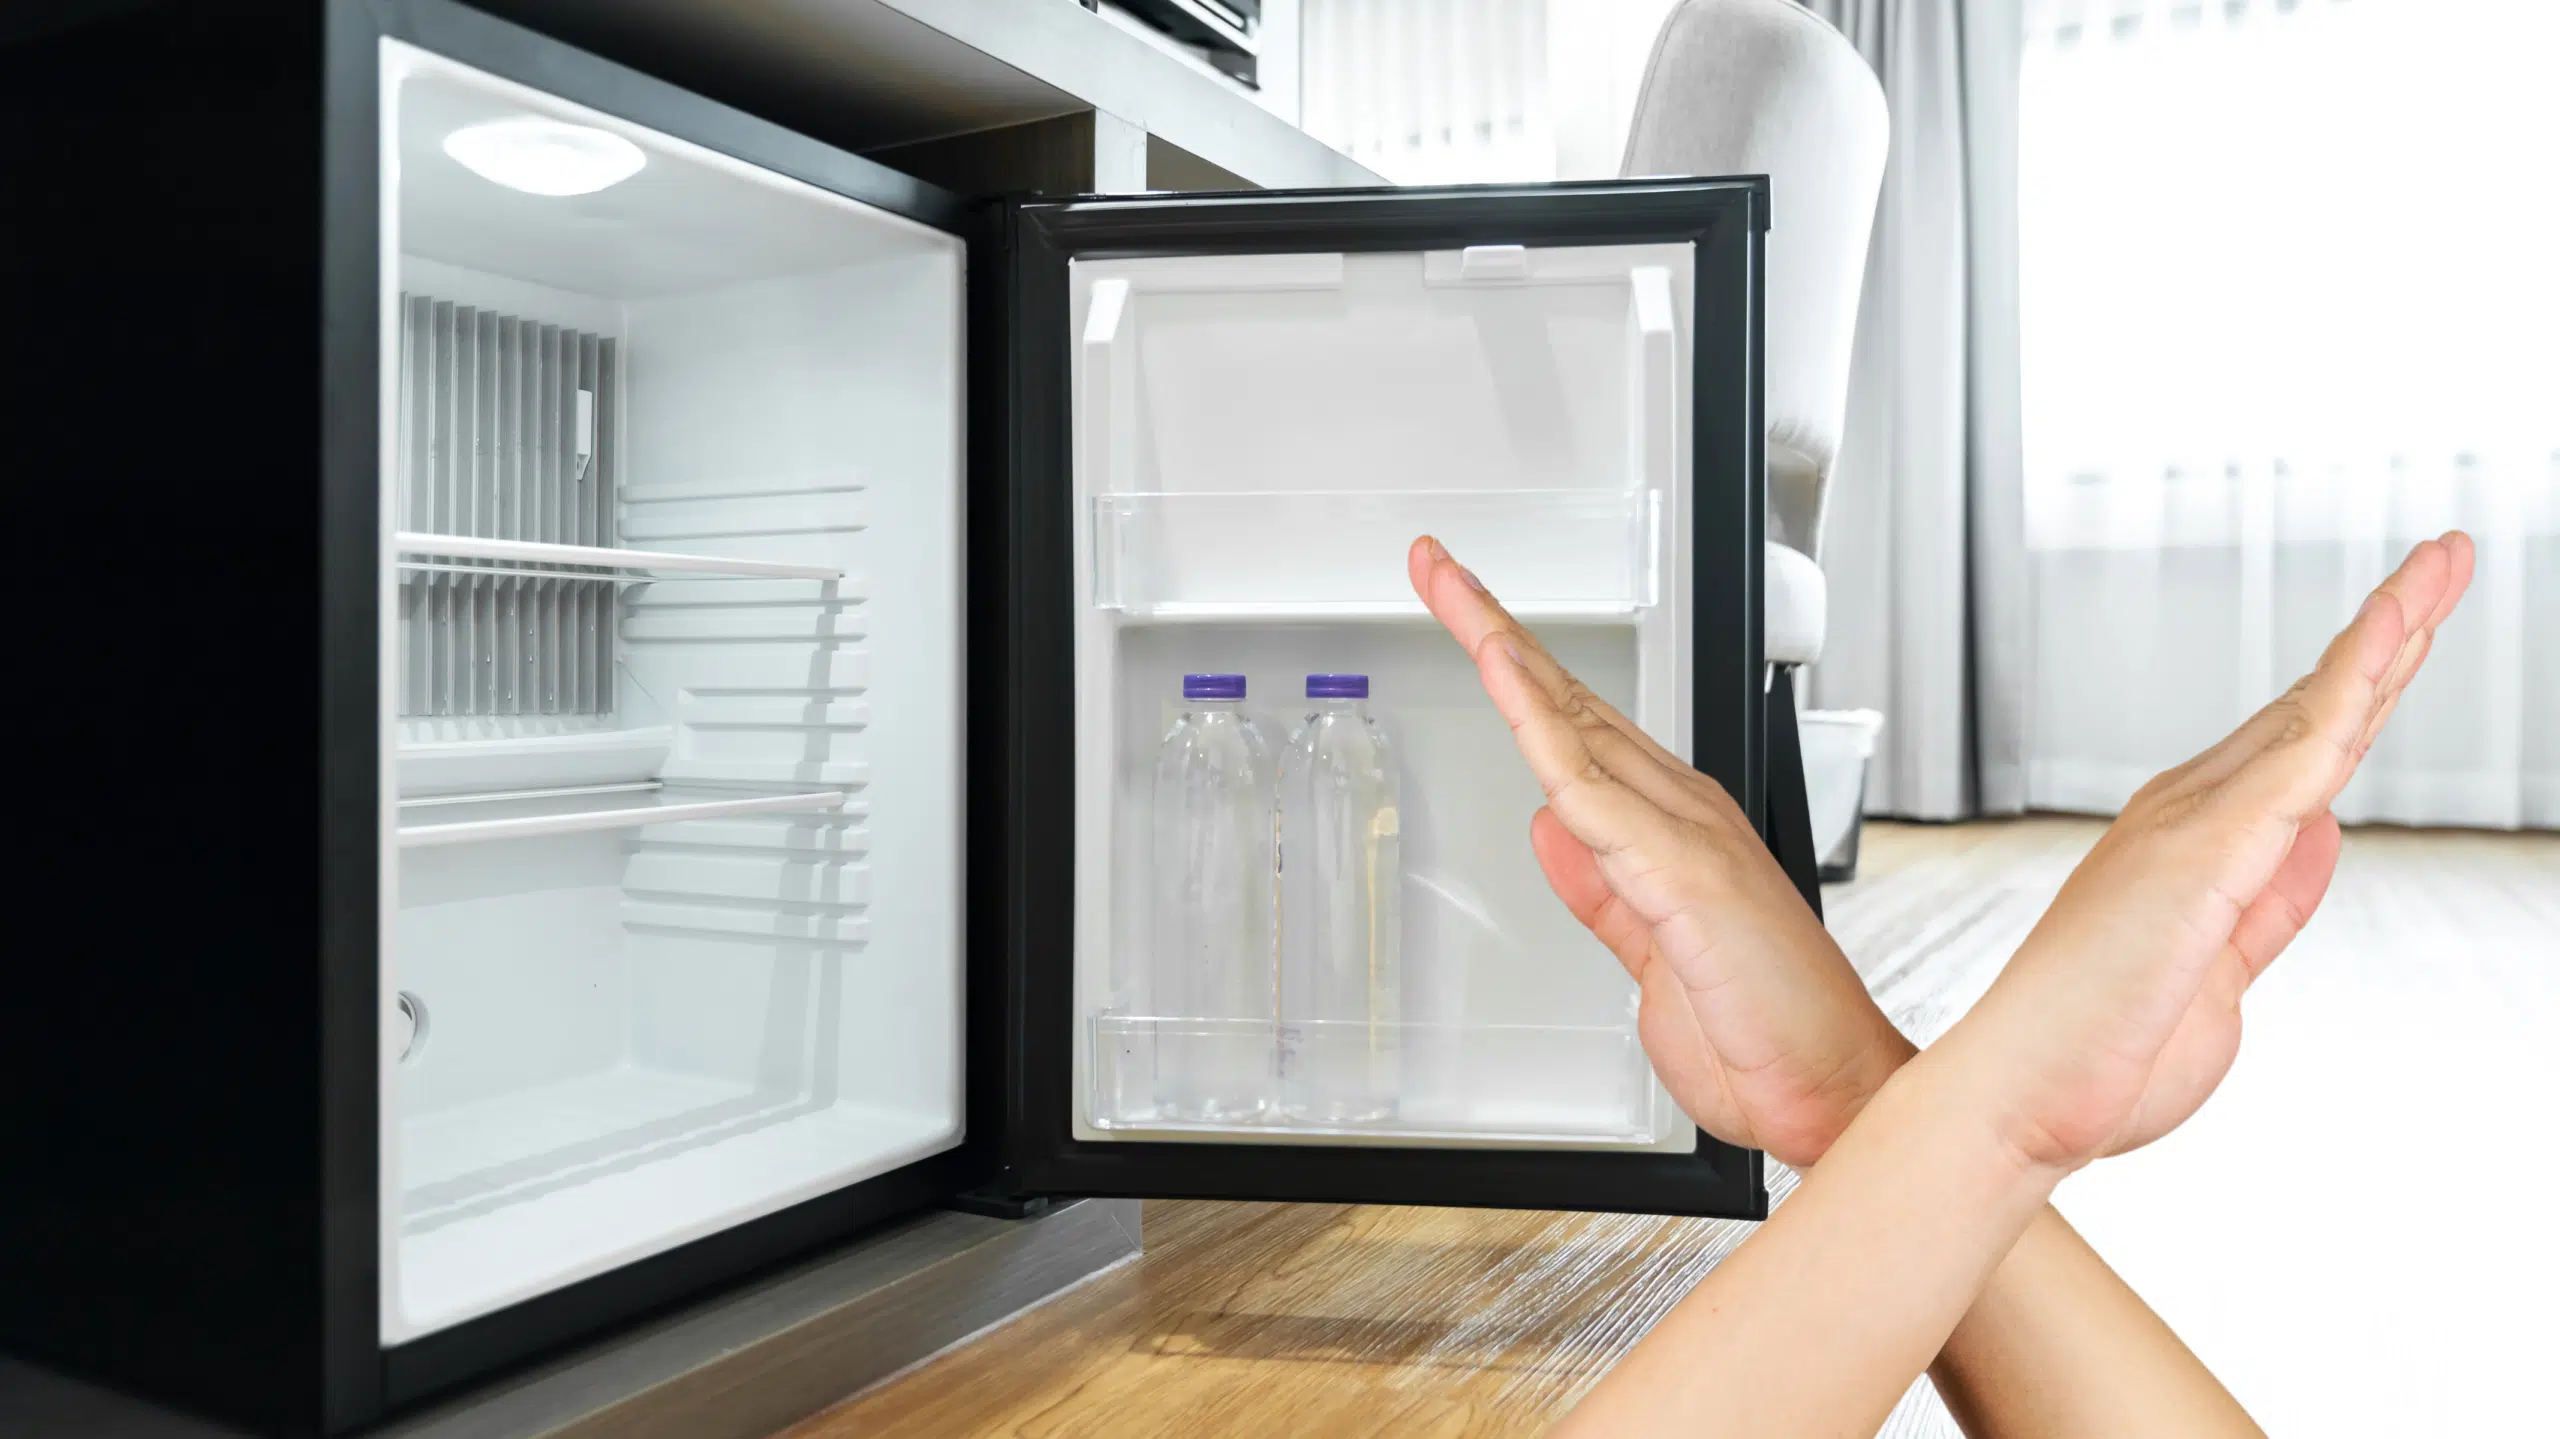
[[2355, 1234]]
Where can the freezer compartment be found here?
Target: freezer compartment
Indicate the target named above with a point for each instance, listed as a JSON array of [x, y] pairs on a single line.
[[1473, 1083], [633, 425], [671, 698]]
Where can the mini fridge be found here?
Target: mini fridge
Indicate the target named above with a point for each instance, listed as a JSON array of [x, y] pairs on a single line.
[[614, 654]]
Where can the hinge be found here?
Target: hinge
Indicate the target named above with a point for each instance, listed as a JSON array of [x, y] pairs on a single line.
[[997, 1202]]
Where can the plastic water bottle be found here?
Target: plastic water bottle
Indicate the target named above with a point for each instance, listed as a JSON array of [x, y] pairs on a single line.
[[1341, 982], [1215, 986]]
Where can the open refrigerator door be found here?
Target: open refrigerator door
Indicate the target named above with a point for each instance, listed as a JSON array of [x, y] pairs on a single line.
[[1259, 437]]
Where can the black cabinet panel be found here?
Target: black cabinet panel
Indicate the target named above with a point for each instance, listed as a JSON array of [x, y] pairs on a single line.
[[190, 266], [170, 1176]]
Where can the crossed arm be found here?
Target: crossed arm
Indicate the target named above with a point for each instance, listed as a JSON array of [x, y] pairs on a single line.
[[1921, 1236]]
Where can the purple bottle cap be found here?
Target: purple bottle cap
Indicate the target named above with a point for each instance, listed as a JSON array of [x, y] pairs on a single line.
[[1337, 687], [1213, 687]]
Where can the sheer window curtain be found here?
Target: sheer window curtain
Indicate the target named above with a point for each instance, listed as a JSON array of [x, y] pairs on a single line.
[[2289, 304], [1430, 92]]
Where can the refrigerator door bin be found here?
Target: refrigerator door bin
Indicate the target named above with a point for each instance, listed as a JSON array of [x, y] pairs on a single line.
[[1550, 553], [1476, 1084], [1484, 946], [671, 492]]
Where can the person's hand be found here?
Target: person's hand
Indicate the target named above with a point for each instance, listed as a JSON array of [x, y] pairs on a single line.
[[1752, 1016], [2121, 1012]]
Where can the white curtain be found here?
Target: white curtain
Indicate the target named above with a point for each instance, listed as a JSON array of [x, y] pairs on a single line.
[[1429, 92], [2289, 303], [1923, 549]]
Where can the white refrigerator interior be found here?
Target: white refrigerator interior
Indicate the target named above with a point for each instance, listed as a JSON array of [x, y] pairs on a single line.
[[1259, 437], [671, 692]]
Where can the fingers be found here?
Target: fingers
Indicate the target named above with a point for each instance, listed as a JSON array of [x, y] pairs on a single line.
[[2285, 905], [2312, 738], [1474, 617], [2430, 581], [1592, 803], [1455, 597], [2423, 591], [1463, 605], [1573, 872], [2420, 639], [2417, 653], [2459, 551], [1683, 794]]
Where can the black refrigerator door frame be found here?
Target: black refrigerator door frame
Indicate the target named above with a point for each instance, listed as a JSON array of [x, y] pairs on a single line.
[[1027, 653], [433, 1362]]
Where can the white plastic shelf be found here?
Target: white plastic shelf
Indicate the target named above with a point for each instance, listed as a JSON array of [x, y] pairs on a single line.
[[1510, 1083], [1171, 556], [474, 555], [472, 819]]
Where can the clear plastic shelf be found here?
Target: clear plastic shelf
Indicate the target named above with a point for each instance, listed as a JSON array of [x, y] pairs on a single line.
[[1506, 1082], [1340, 554]]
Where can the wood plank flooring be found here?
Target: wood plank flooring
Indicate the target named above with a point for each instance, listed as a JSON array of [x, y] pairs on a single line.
[[2354, 1233]]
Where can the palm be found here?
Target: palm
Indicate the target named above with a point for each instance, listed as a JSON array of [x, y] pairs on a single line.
[[2206, 1039], [2123, 1008], [1758, 1027]]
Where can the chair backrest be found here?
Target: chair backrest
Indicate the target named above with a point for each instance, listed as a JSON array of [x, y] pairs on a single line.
[[1764, 87]]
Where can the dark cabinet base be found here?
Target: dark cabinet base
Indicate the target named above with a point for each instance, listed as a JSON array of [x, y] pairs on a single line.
[[742, 1365]]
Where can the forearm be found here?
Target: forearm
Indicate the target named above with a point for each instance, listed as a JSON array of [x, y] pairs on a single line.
[[2056, 1343], [1817, 1325]]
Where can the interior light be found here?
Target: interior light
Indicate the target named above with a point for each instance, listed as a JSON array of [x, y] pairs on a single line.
[[545, 157]]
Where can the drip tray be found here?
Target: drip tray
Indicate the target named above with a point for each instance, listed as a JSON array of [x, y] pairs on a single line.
[[1342, 1080]]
